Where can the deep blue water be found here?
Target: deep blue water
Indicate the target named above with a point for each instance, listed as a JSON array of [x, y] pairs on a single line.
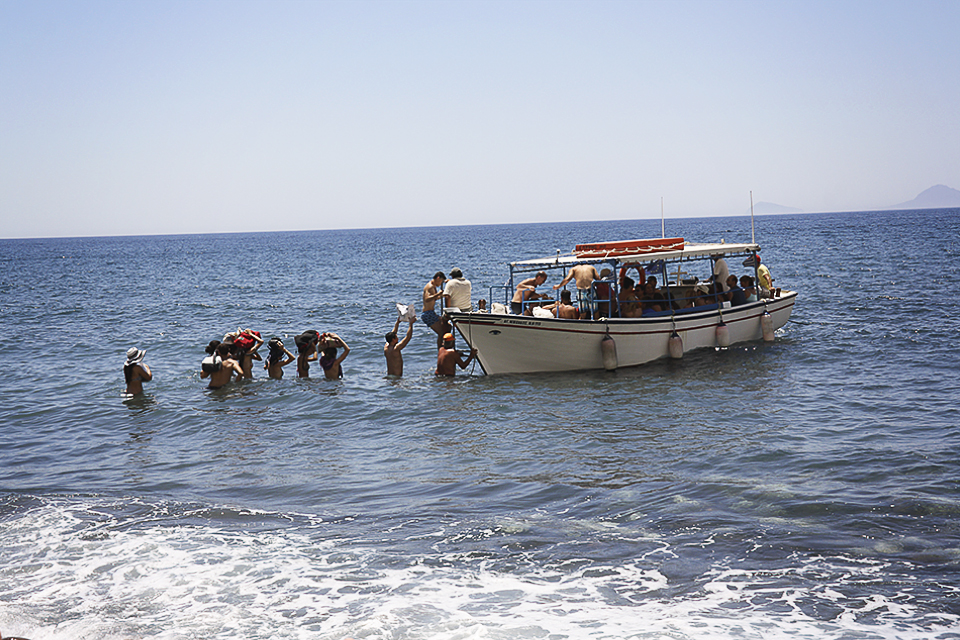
[[806, 488]]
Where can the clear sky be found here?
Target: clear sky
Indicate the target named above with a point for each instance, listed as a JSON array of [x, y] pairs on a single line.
[[140, 117]]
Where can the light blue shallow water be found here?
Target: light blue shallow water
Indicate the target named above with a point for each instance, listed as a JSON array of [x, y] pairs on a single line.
[[806, 488]]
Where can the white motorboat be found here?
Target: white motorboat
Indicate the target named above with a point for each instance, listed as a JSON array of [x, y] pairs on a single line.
[[695, 316]]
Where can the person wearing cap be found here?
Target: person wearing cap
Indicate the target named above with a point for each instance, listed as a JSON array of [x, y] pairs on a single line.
[[764, 279], [458, 291], [136, 371], [448, 358]]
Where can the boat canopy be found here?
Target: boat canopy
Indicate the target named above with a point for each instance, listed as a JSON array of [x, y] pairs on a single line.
[[689, 250]]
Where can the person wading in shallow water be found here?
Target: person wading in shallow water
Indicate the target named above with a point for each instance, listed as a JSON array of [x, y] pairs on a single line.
[[391, 350], [136, 371], [448, 358]]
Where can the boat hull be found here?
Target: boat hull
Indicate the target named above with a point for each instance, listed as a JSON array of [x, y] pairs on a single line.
[[524, 344]]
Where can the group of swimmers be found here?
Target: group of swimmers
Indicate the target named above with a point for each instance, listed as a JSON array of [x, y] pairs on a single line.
[[232, 357]]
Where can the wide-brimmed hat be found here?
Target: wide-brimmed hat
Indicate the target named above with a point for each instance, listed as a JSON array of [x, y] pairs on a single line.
[[134, 356], [605, 272]]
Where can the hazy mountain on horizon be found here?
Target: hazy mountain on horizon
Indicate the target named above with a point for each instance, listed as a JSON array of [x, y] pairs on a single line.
[[936, 197], [772, 207]]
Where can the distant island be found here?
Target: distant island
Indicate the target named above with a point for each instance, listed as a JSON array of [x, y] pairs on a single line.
[[937, 197], [772, 207]]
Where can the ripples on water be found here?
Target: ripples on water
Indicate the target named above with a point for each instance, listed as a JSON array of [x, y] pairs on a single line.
[[806, 488]]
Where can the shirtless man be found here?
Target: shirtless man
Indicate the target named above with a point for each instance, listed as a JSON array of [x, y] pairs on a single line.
[[448, 358], [524, 290], [136, 371], [583, 275], [432, 293], [391, 350], [564, 308], [228, 367]]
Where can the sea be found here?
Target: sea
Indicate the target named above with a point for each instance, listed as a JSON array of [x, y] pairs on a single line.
[[807, 488]]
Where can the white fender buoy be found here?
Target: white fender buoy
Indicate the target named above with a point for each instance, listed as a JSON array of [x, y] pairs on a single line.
[[723, 335], [608, 348], [675, 346], [766, 325]]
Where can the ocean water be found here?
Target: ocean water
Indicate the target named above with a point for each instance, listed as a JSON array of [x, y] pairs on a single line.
[[807, 488]]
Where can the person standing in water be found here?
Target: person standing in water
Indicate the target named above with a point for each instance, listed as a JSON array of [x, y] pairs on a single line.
[[393, 347], [329, 361], [275, 359], [136, 371], [222, 368], [448, 358]]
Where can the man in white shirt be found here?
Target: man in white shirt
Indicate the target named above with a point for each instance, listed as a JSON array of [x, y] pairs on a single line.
[[457, 291], [720, 272]]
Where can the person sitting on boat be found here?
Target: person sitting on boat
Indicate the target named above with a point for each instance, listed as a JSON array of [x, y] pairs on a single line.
[[524, 290], [432, 293], [603, 293], [564, 307], [629, 303], [746, 283], [448, 358], [735, 294], [653, 300], [533, 300], [583, 275]]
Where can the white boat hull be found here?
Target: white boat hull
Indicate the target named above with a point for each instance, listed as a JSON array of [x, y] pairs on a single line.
[[524, 344]]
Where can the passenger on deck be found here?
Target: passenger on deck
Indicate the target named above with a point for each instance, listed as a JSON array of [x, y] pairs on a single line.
[[530, 301], [458, 291], [765, 280], [564, 307], [524, 290], [746, 283], [720, 271], [603, 294], [629, 304], [432, 293], [735, 294], [583, 275], [653, 300]]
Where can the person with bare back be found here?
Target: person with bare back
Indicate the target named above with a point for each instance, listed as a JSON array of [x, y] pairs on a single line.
[[393, 347], [583, 275], [429, 316]]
